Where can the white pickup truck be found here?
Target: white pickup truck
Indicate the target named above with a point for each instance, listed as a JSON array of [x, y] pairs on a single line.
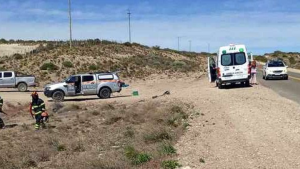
[[10, 79]]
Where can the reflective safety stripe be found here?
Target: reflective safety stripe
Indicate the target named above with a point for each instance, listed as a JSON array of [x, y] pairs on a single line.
[[42, 104], [37, 126], [37, 113]]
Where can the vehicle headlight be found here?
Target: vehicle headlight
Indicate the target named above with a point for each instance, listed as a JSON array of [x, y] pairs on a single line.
[[47, 88]]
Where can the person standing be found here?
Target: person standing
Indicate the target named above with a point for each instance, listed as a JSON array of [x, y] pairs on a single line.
[[253, 73]]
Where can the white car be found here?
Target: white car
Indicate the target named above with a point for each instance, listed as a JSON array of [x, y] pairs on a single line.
[[275, 69]]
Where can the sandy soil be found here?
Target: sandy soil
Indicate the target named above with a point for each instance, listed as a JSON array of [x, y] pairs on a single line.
[[235, 128], [8, 50]]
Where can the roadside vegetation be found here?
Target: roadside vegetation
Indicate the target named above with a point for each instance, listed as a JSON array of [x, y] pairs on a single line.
[[292, 59], [140, 135], [57, 60]]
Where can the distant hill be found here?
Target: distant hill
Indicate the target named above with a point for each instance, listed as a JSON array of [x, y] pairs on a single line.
[[292, 59], [56, 61]]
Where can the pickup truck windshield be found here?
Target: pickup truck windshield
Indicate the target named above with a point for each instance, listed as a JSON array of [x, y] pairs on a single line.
[[276, 64], [232, 59]]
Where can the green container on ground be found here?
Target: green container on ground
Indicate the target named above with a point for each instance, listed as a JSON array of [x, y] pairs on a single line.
[[135, 93]]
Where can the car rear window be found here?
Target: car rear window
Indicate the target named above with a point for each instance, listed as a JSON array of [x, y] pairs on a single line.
[[7, 74], [233, 59], [87, 78]]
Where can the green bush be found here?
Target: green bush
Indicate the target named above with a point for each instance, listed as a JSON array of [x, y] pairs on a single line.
[[170, 164], [156, 47], [136, 157], [18, 56], [93, 67], [261, 59], [292, 60], [61, 147], [68, 64], [167, 149], [157, 137], [49, 66], [127, 44]]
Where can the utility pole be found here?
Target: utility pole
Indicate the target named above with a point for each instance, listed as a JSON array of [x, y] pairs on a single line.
[[70, 17], [190, 45], [129, 14], [178, 43], [208, 47]]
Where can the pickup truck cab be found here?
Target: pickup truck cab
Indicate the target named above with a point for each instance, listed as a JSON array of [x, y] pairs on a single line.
[[101, 84], [231, 65], [10, 79]]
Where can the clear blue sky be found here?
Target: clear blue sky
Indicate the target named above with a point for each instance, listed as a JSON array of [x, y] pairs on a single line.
[[262, 25]]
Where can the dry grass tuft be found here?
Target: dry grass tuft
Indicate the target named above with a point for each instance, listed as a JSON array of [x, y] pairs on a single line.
[[118, 136]]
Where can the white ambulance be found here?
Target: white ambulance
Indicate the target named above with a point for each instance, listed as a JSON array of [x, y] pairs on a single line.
[[230, 66]]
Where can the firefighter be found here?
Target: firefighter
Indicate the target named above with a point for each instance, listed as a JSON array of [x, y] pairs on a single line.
[[2, 125], [38, 108]]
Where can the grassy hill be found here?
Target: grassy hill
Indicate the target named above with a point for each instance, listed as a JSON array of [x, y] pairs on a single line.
[[292, 59], [56, 61]]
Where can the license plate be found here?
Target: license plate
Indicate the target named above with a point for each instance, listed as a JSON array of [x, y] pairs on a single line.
[[277, 74], [239, 76], [227, 78]]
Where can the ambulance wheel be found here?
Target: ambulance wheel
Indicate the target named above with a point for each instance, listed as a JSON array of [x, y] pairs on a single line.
[[220, 85], [104, 93], [247, 83], [58, 96]]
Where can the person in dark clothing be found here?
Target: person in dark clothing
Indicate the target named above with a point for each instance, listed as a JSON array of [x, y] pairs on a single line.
[[38, 108], [213, 71]]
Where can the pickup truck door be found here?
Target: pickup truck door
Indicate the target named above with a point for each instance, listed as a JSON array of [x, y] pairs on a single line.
[[1, 79], [70, 85], [89, 85], [8, 79]]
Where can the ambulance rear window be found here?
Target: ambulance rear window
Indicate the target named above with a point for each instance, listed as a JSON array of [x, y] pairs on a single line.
[[226, 60], [233, 59], [240, 58]]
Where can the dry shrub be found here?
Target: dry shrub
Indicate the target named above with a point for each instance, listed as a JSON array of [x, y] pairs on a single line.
[[98, 137]]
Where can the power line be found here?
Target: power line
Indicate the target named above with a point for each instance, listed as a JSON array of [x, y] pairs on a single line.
[[129, 14], [70, 17]]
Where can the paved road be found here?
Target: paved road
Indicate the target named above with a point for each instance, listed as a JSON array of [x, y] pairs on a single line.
[[286, 88]]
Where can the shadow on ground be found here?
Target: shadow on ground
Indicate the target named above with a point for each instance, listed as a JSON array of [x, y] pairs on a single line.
[[88, 99]]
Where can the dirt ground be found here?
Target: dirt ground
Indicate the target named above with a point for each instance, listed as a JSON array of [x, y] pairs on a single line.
[[7, 50], [237, 127]]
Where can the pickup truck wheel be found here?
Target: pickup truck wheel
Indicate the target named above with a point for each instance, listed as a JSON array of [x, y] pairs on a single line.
[[104, 93], [58, 96], [22, 87]]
